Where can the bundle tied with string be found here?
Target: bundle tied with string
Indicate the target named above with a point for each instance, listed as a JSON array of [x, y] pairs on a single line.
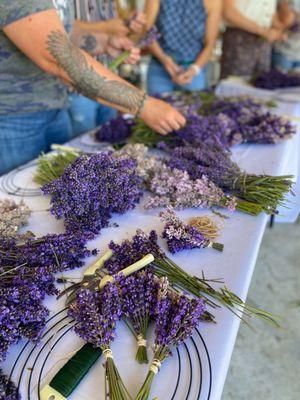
[[176, 317], [70, 375], [96, 314]]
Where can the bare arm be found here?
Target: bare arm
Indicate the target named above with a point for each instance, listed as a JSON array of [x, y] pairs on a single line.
[[232, 15], [42, 38], [151, 11], [286, 15], [214, 13]]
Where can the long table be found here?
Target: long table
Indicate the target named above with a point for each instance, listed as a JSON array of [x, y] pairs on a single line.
[[198, 370]]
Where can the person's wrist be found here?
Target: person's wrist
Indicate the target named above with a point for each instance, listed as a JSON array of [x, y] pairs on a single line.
[[164, 59], [142, 105], [195, 69]]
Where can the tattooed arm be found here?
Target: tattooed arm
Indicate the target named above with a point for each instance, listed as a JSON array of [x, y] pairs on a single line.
[[42, 38]]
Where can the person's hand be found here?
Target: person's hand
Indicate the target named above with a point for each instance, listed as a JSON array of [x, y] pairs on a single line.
[[272, 35], [162, 117], [116, 45], [172, 68], [116, 26], [185, 77], [138, 22]]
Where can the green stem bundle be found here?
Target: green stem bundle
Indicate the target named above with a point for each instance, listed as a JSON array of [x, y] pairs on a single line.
[[267, 191], [51, 166], [117, 389], [160, 355], [200, 287]]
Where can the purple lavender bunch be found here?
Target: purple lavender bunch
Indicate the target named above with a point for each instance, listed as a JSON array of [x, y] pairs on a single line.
[[176, 318], [91, 190], [139, 293], [150, 36], [8, 390], [26, 277], [175, 188], [258, 192], [21, 314], [130, 251], [96, 315], [248, 122], [117, 130], [180, 236], [275, 79], [37, 260]]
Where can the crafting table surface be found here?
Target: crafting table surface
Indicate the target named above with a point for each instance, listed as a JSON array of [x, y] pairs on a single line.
[[197, 371]]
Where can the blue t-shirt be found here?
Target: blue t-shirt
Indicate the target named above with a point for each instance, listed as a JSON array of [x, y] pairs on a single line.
[[182, 25], [24, 87]]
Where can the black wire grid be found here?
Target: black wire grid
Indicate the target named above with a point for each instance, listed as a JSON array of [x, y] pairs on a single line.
[[194, 354], [9, 185]]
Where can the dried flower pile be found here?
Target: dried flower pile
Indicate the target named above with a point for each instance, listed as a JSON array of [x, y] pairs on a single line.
[[173, 187], [26, 277], [275, 79], [117, 130], [12, 217], [91, 190], [8, 390], [265, 191]]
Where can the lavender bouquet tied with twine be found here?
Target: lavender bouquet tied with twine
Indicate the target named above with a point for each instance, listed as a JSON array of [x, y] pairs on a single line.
[[176, 317], [139, 293], [96, 314], [180, 236]]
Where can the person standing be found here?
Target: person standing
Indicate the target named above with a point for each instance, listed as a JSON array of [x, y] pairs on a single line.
[[286, 54], [252, 27], [37, 61], [189, 30]]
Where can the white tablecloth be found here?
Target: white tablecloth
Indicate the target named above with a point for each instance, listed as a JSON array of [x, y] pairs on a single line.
[[242, 235]]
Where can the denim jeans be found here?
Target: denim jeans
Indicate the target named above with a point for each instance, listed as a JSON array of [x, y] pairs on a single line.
[[159, 81], [87, 114], [280, 61], [24, 137]]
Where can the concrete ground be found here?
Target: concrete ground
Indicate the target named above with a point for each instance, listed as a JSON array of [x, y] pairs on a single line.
[[266, 362]]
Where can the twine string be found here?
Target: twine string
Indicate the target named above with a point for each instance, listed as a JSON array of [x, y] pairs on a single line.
[[155, 366]]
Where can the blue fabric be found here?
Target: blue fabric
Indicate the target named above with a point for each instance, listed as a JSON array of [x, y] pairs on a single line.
[[24, 137], [87, 114], [280, 61], [159, 81], [182, 25]]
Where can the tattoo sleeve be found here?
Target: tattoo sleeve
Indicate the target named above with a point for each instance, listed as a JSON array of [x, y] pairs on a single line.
[[86, 80], [89, 43]]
